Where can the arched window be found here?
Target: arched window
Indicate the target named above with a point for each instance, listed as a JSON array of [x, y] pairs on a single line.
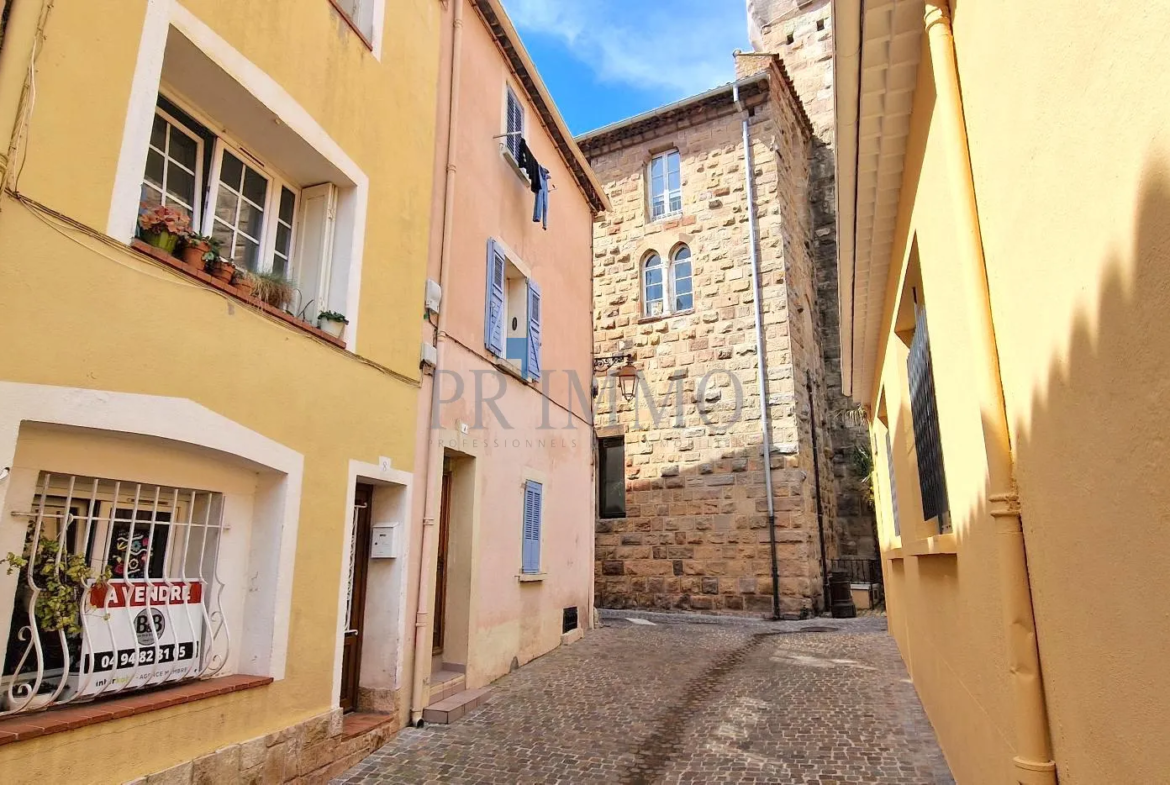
[[653, 286], [680, 274]]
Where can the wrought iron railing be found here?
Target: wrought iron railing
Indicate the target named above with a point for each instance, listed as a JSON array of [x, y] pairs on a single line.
[[859, 570], [117, 590]]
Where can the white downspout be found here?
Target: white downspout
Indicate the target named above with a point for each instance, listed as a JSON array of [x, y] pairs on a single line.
[[423, 623], [762, 364]]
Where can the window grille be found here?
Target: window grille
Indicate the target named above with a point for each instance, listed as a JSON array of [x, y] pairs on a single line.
[[927, 440], [120, 590], [893, 485]]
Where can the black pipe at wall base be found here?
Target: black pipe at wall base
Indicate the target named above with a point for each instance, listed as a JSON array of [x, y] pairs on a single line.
[[775, 563]]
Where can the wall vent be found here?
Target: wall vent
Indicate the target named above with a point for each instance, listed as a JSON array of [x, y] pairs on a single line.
[[569, 620]]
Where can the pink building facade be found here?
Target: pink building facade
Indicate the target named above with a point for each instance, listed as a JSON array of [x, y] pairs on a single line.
[[505, 454]]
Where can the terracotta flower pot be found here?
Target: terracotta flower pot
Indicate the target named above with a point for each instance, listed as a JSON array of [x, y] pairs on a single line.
[[224, 270], [192, 254], [245, 285], [164, 240]]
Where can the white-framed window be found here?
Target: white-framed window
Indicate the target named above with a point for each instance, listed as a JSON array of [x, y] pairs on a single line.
[[248, 207], [512, 313], [665, 185], [680, 278], [174, 166], [654, 285], [513, 122], [667, 288]]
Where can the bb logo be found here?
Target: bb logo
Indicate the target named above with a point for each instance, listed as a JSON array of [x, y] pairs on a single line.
[[148, 633]]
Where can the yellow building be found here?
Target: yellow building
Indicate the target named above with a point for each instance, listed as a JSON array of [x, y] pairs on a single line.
[[211, 453], [1004, 167]]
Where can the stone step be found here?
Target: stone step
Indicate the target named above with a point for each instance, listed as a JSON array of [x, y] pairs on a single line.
[[444, 684], [450, 709]]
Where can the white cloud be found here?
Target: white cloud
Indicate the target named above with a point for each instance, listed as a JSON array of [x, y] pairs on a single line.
[[677, 47]]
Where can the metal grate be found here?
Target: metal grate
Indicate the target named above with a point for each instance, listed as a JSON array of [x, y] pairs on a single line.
[[118, 590], [927, 440]]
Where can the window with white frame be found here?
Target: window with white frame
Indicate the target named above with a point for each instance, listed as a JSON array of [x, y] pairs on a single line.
[[665, 185], [514, 123], [262, 219], [680, 278], [654, 286], [667, 289]]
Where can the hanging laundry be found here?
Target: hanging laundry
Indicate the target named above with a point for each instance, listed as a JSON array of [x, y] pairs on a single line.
[[538, 178]]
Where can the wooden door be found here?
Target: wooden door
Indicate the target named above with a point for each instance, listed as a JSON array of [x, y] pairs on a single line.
[[441, 564], [351, 653]]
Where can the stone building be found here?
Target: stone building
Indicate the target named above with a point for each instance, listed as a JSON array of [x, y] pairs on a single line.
[[683, 504], [673, 288], [800, 32]]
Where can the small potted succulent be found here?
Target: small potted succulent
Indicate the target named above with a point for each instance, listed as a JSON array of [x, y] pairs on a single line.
[[198, 250], [332, 322], [162, 226]]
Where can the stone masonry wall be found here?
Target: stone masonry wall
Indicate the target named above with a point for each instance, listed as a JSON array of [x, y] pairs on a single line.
[[695, 535], [800, 33], [312, 752]]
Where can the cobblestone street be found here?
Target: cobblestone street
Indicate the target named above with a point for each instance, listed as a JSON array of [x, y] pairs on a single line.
[[824, 701]]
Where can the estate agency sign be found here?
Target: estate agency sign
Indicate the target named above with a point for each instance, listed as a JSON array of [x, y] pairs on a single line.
[[140, 633]]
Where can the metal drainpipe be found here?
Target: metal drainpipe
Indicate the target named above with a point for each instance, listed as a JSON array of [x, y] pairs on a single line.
[[422, 619], [812, 420], [1033, 762], [762, 365]]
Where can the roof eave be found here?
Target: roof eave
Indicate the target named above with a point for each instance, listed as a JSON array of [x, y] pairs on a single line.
[[496, 18]]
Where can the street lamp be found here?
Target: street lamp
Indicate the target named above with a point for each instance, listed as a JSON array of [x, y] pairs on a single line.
[[627, 375]]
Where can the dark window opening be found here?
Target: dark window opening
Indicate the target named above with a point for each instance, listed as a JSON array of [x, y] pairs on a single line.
[[611, 477], [569, 620], [791, 39], [927, 439], [820, 24]]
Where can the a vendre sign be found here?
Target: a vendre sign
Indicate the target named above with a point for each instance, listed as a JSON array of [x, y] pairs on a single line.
[[140, 633]]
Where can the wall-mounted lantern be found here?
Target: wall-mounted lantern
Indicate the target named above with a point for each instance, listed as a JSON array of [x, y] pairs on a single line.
[[627, 375]]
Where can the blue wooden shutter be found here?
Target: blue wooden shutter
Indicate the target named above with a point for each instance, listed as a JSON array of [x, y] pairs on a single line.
[[533, 330], [493, 328], [533, 493]]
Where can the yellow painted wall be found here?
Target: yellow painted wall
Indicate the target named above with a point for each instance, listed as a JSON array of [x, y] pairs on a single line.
[[81, 313], [1068, 116], [1070, 146]]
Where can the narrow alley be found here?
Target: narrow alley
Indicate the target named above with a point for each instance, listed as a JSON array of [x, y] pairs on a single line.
[[676, 701]]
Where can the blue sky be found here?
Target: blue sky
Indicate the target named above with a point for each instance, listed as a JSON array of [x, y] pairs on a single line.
[[605, 60]]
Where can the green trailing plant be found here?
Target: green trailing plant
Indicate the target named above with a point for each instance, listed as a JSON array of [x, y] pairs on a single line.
[[193, 239], [863, 468], [62, 585], [273, 288], [333, 316]]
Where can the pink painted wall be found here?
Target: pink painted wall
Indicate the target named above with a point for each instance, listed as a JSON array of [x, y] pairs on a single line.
[[510, 619]]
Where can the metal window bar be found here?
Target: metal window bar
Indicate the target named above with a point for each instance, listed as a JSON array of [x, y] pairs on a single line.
[[120, 590], [927, 439]]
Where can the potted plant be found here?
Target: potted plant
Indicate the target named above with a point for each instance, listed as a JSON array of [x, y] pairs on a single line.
[[198, 249], [245, 283], [332, 322], [220, 268], [62, 583], [273, 288], [162, 226]]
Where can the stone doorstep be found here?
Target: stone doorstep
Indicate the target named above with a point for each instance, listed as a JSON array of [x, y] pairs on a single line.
[[445, 683], [448, 710], [356, 723]]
